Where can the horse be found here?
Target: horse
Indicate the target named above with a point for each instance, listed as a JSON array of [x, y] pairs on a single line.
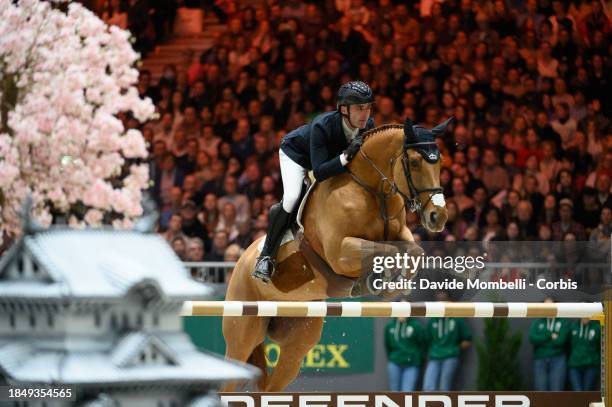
[[398, 166]]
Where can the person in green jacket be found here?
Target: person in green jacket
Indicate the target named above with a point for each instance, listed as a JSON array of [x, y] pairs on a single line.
[[447, 337], [585, 355], [405, 344], [549, 337]]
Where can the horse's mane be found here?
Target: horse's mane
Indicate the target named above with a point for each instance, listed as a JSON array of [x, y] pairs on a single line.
[[381, 129]]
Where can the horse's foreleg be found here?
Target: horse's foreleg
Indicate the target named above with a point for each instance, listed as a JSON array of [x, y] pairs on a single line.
[[295, 337], [242, 337], [353, 252]]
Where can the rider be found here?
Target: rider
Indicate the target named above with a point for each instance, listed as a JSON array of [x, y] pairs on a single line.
[[325, 145]]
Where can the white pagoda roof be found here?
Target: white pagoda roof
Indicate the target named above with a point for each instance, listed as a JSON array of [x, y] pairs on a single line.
[[98, 264], [179, 362]]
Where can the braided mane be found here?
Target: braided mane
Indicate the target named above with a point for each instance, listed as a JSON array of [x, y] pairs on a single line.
[[381, 129]]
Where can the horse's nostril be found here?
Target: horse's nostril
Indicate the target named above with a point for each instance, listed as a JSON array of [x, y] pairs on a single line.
[[433, 217]]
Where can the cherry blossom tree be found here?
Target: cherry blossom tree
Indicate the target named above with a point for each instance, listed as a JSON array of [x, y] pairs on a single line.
[[65, 76]]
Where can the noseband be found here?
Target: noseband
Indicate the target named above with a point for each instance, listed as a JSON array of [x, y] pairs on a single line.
[[413, 202]]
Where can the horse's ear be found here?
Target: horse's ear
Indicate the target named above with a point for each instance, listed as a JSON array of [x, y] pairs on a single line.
[[408, 130], [440, 128]]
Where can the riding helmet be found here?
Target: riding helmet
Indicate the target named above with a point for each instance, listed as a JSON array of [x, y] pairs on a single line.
[[354, 93]]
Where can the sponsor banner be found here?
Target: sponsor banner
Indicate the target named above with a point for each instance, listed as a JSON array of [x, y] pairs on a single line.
[[471, 399], [346, 345]]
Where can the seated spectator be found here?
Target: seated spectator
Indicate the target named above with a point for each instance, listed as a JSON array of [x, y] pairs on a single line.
[[240, 201], [463, 201], [549, 165], [491, 226], [175, 228], [455, 224], [227, 221], [166, 178], [531, 170], [220, 242], [566, 223], [603, 231], [191, 224], [195, 249], [525, 220], [190, 123], [209, 142], [588, 209], [176, 201], [475, 213], [179, 247], [564, 125], [494, 177]]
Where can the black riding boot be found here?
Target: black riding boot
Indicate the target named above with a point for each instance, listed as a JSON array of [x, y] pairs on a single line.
[[265, 264]]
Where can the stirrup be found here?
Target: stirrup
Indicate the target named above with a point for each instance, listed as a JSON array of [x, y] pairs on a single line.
[[266, 274]]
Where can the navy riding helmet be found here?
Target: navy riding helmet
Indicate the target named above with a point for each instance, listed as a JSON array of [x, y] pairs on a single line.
[[354, 93]]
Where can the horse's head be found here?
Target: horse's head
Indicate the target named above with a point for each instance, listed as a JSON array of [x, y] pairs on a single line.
[[417, 174]]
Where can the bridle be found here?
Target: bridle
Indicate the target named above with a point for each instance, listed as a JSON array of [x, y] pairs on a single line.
[[413, 202]]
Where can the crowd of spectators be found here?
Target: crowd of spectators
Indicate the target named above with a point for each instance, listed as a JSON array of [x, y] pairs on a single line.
[[529, 156], [149, 21]]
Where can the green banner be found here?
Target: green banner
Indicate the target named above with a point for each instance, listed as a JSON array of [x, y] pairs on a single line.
[[346, 345]]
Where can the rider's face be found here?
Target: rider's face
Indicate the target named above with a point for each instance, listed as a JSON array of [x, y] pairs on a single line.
[[359, 115]]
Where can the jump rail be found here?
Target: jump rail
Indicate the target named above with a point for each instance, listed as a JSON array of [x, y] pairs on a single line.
[[393, 309]]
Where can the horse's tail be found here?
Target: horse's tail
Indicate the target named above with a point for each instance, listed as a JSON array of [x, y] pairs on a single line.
[[258, 359]]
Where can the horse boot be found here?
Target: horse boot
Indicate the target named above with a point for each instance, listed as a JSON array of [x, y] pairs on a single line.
[[265, 265]]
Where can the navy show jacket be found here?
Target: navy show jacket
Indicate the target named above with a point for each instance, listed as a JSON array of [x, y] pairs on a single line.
[[317, 145]]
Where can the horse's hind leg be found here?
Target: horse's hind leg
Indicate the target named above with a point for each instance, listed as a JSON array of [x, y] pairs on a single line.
[[295, 337], [242, 337]]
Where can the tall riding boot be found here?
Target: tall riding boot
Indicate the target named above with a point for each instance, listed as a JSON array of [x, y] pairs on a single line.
[[265, 264]]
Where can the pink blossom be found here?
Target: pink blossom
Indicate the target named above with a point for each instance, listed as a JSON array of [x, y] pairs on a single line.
[[67, 144]]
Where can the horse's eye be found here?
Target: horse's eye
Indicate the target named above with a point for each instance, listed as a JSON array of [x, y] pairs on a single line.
[[415, 163]]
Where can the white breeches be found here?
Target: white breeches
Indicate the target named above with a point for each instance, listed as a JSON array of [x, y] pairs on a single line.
[[293, 176]]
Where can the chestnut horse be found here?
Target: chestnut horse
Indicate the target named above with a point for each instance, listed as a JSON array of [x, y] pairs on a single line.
[[398, 166]]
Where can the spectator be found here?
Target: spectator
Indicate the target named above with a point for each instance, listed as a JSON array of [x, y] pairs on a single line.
[[175, 228], [584, 360], [192, 227], [566, 223], [564, 125], [227, 221], [405, 344], [447, 338], [167, 177], [240, 201], [195, 249], [179, 247], [525, 220], [549, 338], [219, 244], [604, 229], [494, 177]]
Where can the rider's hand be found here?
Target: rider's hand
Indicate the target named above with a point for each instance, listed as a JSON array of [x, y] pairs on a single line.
[[353, 148]]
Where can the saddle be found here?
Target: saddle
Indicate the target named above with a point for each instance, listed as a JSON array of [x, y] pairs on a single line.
[[294, 243]]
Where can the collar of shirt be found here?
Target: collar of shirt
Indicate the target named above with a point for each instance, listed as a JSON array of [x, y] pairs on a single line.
[[348, 132]]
